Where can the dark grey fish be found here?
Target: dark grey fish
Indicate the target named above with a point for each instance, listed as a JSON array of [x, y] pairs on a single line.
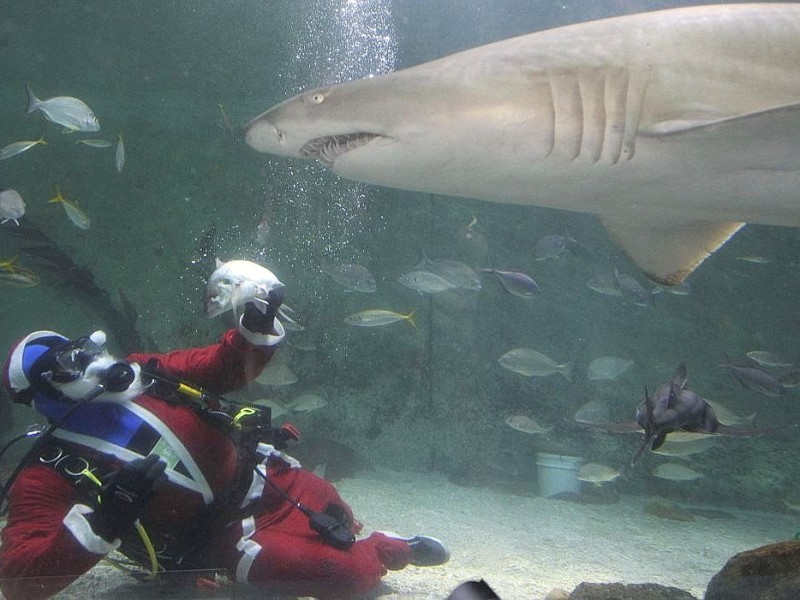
[[756, 379], [673, 407], [516, 283]]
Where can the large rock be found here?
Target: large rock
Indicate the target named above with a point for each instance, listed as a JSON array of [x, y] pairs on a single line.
[[631, 591], [770, 572]]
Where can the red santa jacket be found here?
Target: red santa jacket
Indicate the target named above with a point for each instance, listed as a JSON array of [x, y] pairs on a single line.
[[48, 543]]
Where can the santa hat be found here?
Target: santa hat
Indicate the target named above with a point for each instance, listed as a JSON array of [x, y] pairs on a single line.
[[18, 371]]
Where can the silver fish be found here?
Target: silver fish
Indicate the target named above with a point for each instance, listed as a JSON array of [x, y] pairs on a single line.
[[768, 359], [633, 291], [592, 412], [425, 282], [306, 403], [553, 246], [119, 154], [453, 271], [640, 119], [12, 206], [19, 147], [597, 473], [676, 472], [526, 424], [95, 143], [516, 283], [65, 110], [533, 363], [608, 367], [604, 283], [353, 278], [235, 283]]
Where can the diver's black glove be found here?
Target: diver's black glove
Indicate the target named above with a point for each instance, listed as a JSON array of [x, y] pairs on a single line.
[[259, 315], [125, 496]]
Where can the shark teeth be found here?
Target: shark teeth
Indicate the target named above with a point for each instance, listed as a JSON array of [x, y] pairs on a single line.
[[327, 148]]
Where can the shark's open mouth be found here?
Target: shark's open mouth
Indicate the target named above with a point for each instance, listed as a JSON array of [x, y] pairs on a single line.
[[327, 148]]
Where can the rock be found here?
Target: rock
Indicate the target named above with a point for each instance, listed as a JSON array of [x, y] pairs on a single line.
[[770, 572], [557, 594], [632, 591]]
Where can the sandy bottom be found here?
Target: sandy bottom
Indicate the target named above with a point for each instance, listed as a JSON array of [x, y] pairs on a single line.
[[522, 546]]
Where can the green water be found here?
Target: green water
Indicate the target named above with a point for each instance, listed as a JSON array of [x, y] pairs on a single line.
[[430, 398]]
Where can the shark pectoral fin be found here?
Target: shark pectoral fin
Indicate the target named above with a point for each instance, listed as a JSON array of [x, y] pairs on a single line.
[[669, 253]]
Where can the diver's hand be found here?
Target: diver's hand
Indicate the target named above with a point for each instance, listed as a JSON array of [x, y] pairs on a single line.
[[259, 315], [125, 496]]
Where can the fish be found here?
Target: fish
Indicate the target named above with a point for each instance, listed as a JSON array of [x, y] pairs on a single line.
[[75, 214], [608, 367], [306, 403], [525, 424], [16, 275], [12, 206], [631, 290], [353, 278], [119, 154], [675, 448], [754, 259], [276, 407], [70, 112], [553, 246], [377, 317], [455, 272], [593, 411], [95, 143], [425, 282], [19, 147], [756, 379], [768, 359], [682, 289], [672, 147], [727, 417], [516, 283], [598, 473], [790, 380], [675, 472], [672, 407], [533, 363], [276, 374], [604, 283], [235, 283]]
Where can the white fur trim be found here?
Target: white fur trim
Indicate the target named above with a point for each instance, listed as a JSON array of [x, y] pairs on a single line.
[[256, 489], [263, 339], [77, 524], [250, 551]]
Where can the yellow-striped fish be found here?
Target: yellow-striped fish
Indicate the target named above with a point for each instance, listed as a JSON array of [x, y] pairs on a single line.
[[19, 147], [378, 317], [16, 275], [75, 214]]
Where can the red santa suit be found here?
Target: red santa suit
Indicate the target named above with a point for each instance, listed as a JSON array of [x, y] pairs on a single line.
[[48, 541]]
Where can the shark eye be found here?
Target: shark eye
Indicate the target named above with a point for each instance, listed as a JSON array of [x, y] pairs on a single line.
[[317, 97]]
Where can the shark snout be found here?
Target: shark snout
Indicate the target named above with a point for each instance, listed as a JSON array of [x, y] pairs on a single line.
[[261, 134]]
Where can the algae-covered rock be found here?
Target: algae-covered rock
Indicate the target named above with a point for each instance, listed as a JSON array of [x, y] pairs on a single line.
[[770, 572]]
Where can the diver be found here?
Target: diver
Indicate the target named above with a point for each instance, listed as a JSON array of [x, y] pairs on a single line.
[[145, 456]]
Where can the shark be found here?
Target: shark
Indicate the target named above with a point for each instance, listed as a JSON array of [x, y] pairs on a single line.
[[675, 127]]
